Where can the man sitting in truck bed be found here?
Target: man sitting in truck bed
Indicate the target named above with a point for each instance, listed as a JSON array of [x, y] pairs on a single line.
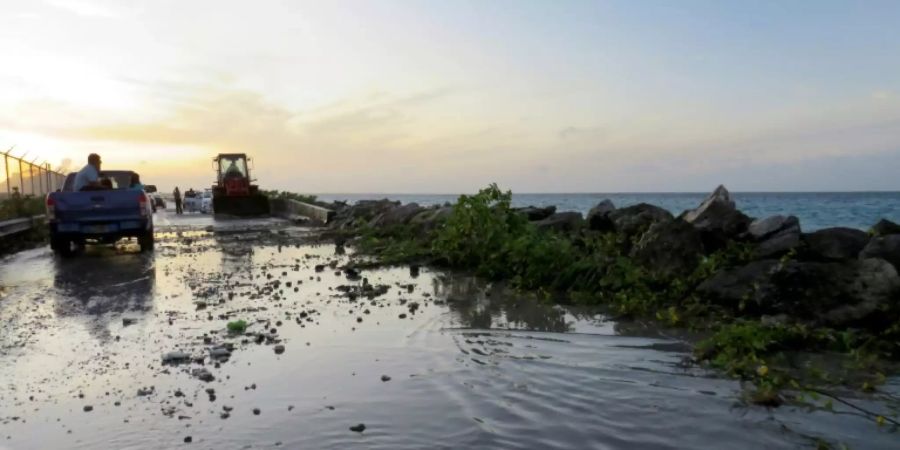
[[89, 175]]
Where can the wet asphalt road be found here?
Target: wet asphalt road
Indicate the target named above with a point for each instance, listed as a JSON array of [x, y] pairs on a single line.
[[434, 360]]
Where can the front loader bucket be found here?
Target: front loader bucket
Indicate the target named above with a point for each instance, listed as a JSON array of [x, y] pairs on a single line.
[[254, 205]]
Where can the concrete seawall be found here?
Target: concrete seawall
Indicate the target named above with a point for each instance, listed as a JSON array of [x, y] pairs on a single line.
[[293, 209]]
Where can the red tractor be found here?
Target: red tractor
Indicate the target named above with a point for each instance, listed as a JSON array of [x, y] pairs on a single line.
[[233, 192]]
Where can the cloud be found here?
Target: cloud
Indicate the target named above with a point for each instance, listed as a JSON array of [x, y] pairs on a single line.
[[84, 8], [569, 133]]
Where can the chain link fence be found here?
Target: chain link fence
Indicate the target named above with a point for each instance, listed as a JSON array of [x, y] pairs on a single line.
[[20, 177]]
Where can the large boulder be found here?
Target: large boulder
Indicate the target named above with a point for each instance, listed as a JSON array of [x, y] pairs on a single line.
[[776, 235], [761, 229], [838, 293], [779, 243], [885, 227], [669, 249], [534, 213], [847, 293], [884, 247], [718, 219], [399, 215], [430, 218], [747, 288], [833, 244], [636, 219], [565, 222], [598, 217], [362, 212]]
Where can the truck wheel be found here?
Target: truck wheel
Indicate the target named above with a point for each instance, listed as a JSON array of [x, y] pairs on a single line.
[[61, 246], [146, 241]]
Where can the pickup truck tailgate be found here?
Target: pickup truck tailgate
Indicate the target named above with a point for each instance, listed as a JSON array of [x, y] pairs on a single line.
[[99, 206]]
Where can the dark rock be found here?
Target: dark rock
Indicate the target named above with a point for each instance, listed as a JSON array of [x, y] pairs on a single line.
[[319, 268], [219, 353], [175, 357], [385, 378], [884, 247], [399, 215], [565, 222], [126, 321], [598, 217], [669, 249], [836, 294], [361, 212], [885, 227], [718, 219], [430, 218], [203, 374], [761, 229], [835, 243], [534, 213], [143, 392], [351, 273], [743, 288], [279, 349], [358, 428], [779, 243], [188, 439], [88, 408], [636, 219], [256, 411]]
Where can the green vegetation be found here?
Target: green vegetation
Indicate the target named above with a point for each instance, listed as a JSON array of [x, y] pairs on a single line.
[[486, 235], [19, 206], [237, 326]]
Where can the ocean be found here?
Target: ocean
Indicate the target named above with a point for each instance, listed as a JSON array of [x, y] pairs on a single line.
[[816, 210]]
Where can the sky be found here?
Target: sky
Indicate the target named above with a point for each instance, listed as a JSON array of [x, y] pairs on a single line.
[[449, 96]]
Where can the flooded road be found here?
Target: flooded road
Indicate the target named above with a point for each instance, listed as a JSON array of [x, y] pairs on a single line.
[[117, 349]]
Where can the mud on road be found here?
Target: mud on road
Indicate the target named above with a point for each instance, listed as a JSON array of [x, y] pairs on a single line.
[[118, 349]]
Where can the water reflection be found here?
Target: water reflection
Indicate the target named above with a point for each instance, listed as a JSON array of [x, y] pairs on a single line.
[[102, 284], [477, 304]]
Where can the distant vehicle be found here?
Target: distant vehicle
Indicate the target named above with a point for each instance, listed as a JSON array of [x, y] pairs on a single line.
[[192, 201], [206, 201], [158, 201], [234, 192], [99, 216]]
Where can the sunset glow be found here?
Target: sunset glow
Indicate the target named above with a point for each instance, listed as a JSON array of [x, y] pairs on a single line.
[[422, 96]]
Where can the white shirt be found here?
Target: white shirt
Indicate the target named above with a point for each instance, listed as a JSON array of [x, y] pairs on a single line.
[[86, 175]]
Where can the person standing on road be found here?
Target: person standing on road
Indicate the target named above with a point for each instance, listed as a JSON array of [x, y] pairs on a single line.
[[177, 195], [89, 175]]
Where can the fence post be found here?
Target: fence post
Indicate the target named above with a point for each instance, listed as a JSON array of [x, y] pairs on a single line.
[[6, 167], [21, 179]]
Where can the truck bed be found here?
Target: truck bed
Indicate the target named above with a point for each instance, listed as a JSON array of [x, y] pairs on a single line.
[[99, 215]]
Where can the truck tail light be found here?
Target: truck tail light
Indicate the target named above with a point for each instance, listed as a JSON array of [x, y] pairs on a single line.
[[51, 208], [142, 204]]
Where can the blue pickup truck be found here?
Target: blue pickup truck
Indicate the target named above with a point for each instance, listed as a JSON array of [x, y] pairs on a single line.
[[101, 215]]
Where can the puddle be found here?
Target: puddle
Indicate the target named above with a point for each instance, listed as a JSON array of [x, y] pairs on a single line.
[[432, 361]]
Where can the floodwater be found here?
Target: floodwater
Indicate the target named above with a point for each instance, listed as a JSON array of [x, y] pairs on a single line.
[[437, 361]]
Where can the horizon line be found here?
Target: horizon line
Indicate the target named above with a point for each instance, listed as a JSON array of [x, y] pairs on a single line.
[[619, 193]]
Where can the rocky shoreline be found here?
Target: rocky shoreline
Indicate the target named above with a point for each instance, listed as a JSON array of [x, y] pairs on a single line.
[[711, 264], [834, 276]]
